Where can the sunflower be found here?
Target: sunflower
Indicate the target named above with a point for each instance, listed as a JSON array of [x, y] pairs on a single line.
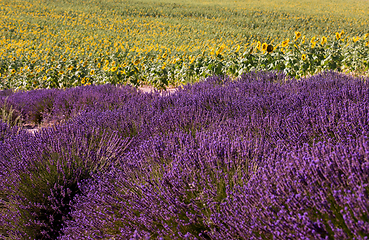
[[164, 55], [238, 49], [164, 65], [220, 49], [44, 78], [83, 81], [338, 36], [113, 69], [324, 40], [355, 39], [264, 46], [13, 71], [285, 42], [365, 36], [270, 48], [61, 72], [297, 35], [92, 72], [137, 61], [303, 57], [259, 45], [312, 41]]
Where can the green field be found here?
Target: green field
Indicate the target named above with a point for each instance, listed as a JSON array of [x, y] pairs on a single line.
[[48, 44]]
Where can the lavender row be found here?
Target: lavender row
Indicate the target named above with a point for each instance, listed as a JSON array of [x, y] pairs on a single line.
[[40, 174], [53, 105], [212, 187], [221, 159]]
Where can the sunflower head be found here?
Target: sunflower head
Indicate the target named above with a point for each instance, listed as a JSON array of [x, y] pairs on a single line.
[[285, 42], [297, 35], [259, 45], [220, 49], [303, 57], [238, 49], [264, 46], [355, 39], [270, 48], [324, 40], [338, 36]]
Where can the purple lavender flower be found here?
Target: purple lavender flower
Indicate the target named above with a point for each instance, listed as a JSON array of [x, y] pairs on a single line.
[[260, 157]]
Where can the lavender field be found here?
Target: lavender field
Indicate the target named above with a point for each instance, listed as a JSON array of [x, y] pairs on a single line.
[[261, 157]]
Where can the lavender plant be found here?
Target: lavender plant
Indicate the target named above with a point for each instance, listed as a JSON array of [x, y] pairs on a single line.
[[55, 105], [262, 157], [318, 192], [165, 188], [41, 174], [9, 115], [34, 105]]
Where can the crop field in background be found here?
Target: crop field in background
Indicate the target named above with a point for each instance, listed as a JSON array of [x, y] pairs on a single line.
[[59, 44]]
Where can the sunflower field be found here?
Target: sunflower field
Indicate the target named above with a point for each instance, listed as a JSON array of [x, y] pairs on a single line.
[[60, 44]]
